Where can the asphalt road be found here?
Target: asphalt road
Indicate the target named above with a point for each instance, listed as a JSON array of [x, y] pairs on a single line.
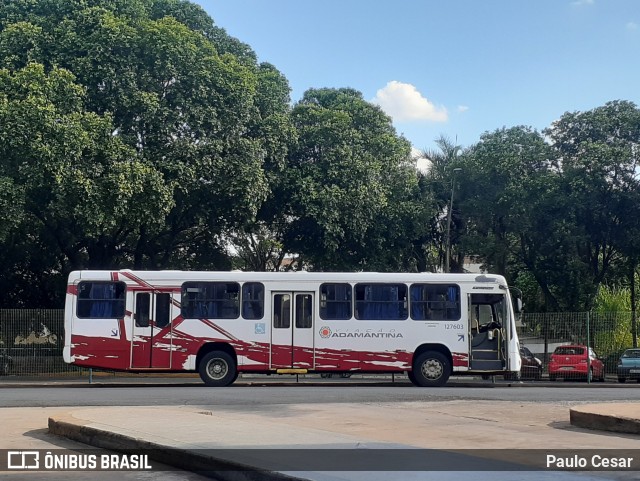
[[242, 396]]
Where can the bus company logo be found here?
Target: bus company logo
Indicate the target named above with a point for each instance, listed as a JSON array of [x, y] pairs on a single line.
[[325, 332]]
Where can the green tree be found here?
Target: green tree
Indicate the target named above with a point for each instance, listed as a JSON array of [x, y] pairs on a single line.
[[499, 173], [74, 185], [597, 152], [441, 180], [514, 214], [611, 320], [349, 199], [203, 127]]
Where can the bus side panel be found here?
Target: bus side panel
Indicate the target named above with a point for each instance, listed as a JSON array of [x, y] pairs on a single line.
[[388, 346], [100, 352], [336, 360], [98, 343], [191, 334]]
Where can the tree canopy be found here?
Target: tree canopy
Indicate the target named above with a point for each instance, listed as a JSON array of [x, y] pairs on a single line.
[[138, 134]]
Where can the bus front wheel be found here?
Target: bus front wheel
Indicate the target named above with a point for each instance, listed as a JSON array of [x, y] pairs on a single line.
[[431, 368], [218, 369]]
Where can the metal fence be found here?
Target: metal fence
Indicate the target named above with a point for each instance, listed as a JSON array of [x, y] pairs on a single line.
[[608, 334], [34, 338]]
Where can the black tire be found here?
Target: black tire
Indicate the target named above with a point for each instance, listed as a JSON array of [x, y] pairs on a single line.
[[552, 377], [218, 369], [431, 369], [538, 375], [622, 380], [518, 376], [513, 376], [412, 378]]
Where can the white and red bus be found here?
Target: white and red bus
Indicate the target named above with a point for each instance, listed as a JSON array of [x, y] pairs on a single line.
[[221, 324]]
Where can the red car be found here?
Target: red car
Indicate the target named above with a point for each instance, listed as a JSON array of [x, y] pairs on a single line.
[[575, 362]]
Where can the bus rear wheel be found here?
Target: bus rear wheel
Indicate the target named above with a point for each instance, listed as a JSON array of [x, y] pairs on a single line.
[[218, 369], [431, 369]]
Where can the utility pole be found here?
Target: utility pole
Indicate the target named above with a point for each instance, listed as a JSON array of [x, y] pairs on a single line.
[[447, 259]]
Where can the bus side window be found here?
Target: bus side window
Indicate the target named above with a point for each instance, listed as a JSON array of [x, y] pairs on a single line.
[[335, 301], [281, 311], [253, 300], [381, 301], [210, 300], [304, 311], [101, 300], [143, 309], [435, 302], [163, 310]]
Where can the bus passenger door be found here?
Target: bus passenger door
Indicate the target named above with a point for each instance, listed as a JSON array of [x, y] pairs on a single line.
[[487, 332], [152, 341], [292, 342]]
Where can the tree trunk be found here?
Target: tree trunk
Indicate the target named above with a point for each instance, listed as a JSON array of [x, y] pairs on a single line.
[[634, 326]]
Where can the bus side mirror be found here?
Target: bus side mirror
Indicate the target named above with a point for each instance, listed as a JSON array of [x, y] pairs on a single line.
[[519, 305]]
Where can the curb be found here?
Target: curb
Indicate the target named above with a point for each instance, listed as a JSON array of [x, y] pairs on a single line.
[[196, 462], [591, 419]]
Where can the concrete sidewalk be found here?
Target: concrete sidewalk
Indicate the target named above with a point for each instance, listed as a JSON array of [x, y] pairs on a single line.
[[222, 439]]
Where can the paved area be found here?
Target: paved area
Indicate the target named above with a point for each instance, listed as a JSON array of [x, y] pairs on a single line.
[[448, 425], [195, 437]]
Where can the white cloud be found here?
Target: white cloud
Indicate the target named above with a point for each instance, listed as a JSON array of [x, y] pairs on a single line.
[[422, 163], [403, 102], [462, 108], [632, 26]]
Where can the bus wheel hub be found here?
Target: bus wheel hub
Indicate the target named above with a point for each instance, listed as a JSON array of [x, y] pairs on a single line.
[[432, 369], [217, 369]]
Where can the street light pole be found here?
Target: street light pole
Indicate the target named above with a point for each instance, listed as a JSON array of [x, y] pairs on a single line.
[[447, 254]]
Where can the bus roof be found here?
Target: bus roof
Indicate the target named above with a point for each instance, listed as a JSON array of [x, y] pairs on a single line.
[[243, 276]]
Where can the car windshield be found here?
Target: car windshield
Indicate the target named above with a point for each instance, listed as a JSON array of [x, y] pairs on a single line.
[[631, 353], [570, 351]]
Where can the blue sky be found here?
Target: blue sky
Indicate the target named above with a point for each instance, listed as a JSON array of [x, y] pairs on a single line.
[[449, 67]]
